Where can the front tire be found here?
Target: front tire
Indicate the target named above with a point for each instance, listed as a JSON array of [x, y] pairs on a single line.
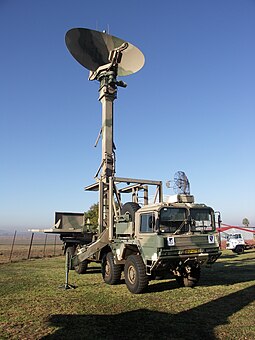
[[239, 249], [135, 274], [111, 272], [190, 281], [190, 278]]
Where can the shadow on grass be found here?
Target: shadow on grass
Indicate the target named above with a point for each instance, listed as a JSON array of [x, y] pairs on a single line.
[[232, 255], [93, 270], [221, 273], [161, 286], [228, 273], [196, 323]]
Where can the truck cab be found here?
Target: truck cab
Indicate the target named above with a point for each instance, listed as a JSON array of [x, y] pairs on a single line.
[[170, 238], [236, 243]]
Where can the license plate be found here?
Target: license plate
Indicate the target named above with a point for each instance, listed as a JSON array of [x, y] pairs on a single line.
[[191, 251]]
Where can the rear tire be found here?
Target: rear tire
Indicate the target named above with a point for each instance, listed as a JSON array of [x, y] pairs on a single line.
[[69, 252], [82, 267], [111, 272], [135, 274]]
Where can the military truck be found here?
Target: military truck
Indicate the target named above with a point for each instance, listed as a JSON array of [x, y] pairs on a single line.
[[153, 240], [148, 237]]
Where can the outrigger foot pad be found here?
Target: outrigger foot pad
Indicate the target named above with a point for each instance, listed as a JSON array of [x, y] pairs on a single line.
[[67, 286]]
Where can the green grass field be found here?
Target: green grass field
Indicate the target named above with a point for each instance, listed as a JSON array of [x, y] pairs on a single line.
[[34, 307]]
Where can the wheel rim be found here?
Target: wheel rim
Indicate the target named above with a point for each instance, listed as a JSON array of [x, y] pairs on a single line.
[[132, 274]]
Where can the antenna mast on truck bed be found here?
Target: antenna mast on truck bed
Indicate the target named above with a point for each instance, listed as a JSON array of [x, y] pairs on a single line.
[[106, 57]]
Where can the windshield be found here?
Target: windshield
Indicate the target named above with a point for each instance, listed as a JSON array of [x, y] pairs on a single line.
[[201, 219], [171, 219], [235, 236]]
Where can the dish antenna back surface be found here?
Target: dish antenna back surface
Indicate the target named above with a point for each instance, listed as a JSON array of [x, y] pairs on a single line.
[[92, 49]]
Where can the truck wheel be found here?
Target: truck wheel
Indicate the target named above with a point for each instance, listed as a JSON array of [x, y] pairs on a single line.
[[82, 267], [189, 279], [135, 274], [111, 272], [70, 251], [131, 208], [239, 249], [179, 280]]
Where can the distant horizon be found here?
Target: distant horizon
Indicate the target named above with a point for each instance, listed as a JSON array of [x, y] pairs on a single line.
[[23, 229]]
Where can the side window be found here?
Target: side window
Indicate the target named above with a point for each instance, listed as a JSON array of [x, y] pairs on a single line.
[[147, 223]]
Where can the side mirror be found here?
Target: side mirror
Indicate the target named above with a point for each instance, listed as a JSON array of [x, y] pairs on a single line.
[[219, 220]]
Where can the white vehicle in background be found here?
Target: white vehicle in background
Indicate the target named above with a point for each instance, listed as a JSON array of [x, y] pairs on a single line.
[[236, 243]]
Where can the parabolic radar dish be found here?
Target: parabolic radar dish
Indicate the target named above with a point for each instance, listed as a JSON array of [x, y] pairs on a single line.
[[91, 49]]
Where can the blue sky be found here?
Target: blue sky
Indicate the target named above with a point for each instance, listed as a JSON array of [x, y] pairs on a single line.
[[191, 107]]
